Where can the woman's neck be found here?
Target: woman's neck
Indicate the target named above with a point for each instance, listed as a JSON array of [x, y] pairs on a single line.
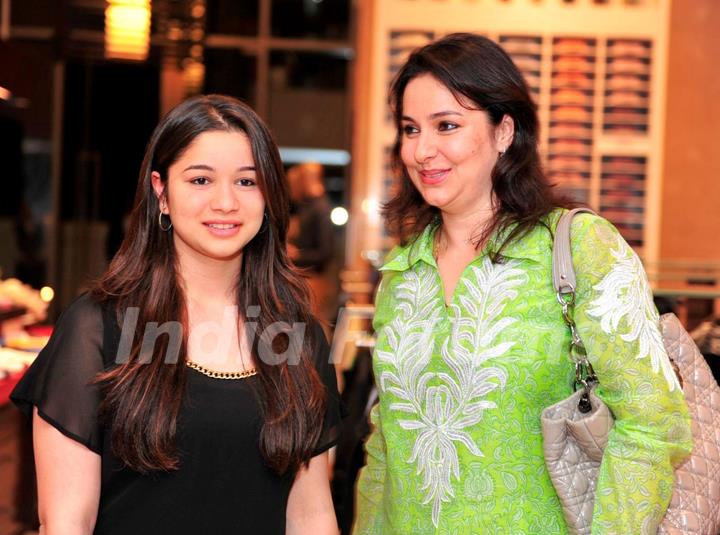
[[460, 231], [209, 281]]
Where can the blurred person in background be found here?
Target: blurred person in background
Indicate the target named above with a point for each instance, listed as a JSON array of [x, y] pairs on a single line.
[[310, 236]]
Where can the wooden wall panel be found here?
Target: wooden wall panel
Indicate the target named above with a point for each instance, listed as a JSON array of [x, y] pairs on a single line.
[[690, 223]]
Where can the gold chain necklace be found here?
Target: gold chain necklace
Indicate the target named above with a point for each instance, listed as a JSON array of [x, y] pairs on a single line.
[[221, 375]]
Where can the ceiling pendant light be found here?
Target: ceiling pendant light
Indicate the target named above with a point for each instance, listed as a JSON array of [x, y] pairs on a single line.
[[127, 29]]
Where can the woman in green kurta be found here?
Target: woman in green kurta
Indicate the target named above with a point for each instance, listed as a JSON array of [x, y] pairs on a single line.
[[471, 344]]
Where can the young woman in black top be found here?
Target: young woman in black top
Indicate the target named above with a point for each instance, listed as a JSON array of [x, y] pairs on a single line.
[[190, 390]]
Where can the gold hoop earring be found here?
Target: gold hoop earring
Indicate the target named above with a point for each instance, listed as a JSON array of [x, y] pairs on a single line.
[[160, 222]]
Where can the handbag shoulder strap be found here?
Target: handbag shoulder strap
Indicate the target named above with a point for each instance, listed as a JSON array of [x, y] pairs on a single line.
[[564, 280]]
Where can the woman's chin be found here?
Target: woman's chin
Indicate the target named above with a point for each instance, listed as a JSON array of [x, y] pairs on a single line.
[[440, 202]]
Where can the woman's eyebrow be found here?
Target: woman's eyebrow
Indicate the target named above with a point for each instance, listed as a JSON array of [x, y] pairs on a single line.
[[204, 167], [435, 115]]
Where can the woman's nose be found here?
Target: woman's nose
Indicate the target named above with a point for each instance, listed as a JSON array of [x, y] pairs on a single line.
[[224, 198], [426, 147]]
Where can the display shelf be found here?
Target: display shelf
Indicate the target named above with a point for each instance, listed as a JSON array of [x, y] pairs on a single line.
[[526, 52], [402, 42], [628, 69], [622, 195]]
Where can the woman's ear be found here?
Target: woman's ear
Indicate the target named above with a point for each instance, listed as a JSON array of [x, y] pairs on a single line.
[[504, 133], [159, 187]]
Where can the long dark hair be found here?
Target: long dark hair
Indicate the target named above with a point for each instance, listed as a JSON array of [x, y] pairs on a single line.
[[142, 401], [475, 68]]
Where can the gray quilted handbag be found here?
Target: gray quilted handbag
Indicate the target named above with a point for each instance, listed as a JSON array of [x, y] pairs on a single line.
[[575, 430]]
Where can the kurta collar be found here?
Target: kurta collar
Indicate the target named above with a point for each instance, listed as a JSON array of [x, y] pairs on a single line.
[[536, 246], [404, 257]]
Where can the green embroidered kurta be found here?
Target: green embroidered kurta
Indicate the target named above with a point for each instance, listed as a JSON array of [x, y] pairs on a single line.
[[457, 446]]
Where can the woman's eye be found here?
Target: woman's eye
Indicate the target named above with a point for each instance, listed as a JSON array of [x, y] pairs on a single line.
[[409, 130], [247, 182], [446, 126], [200, 181]]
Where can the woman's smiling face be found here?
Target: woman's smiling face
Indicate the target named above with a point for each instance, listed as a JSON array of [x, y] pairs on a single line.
[[449, 150], [212, 197]]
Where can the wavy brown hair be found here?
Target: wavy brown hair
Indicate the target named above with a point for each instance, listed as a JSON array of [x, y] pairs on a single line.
[[477, 70], [142, 400]]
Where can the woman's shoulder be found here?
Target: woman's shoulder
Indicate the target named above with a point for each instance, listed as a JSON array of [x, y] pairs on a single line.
[[88, 323], [580, 221], [399, 257], [84, 312], [587, 229], [590, 230], [598, 250], [404, 255]]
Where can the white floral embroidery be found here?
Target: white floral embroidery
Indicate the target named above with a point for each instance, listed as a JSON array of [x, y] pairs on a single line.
[[625, 293], [442, 411]]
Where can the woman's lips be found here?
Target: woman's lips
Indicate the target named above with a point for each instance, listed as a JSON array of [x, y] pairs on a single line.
[[432, 177], [222, 229]]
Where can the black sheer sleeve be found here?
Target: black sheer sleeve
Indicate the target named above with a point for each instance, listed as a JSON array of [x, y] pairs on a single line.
[[326, 371], [58, 382]]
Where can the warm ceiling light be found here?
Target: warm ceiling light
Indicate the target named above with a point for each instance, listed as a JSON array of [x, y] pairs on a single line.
[[47, 294], [127, 29], [339, 216]]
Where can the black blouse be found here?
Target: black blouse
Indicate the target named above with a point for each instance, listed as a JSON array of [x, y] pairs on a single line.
[[222, 485]]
